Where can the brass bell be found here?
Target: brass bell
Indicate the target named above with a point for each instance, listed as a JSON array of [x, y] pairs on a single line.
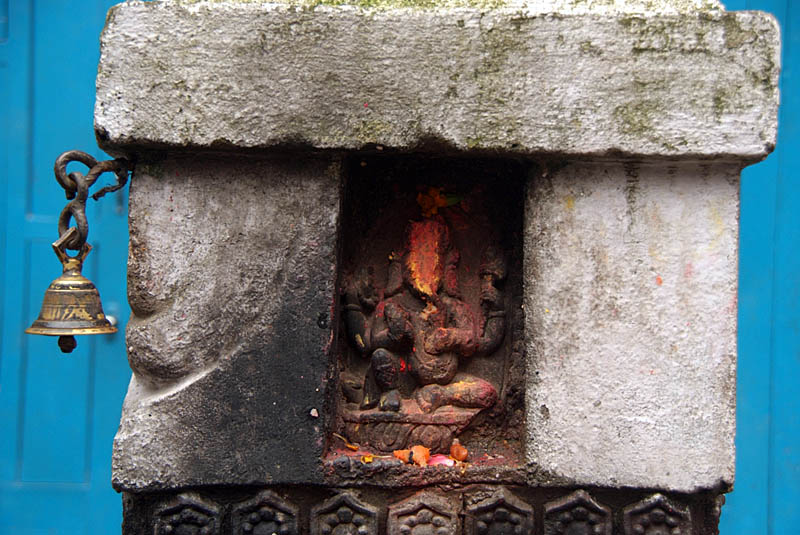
[[71, 303]]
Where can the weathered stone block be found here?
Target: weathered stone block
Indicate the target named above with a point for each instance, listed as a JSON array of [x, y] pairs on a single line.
[[630, 305], [547, 77], [232, 271]]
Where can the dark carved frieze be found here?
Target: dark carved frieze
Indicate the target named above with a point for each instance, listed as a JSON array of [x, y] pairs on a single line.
[[502, 513], [657, 515], [187, 514], [266, 514], [424, 513], [577, 514], [483, 509], [344, 514]]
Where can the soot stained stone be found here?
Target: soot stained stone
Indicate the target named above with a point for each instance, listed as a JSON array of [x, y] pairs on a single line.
[[227, 285]]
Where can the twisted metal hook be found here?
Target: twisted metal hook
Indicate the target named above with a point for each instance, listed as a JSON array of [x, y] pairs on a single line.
[[76, 187]]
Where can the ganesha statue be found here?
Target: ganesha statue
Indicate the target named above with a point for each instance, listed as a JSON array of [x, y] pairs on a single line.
[[416, 331]]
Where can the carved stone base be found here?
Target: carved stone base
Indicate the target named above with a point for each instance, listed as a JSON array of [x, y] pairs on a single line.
[[469, 510], [387, 431]]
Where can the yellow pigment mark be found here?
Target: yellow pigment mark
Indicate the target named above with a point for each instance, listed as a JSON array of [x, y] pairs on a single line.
[[426, 241], [719, 228], [569, 200], [655, 254], [423, 286]]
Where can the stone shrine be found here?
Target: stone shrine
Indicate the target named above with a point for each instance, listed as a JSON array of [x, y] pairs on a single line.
[[442, 269]]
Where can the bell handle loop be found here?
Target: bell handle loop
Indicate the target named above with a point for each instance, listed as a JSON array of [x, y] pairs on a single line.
[[75, 240], [77, 187], [60, 248], [70, 181]]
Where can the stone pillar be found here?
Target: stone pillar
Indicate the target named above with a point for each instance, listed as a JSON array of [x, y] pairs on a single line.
[[574, 167]]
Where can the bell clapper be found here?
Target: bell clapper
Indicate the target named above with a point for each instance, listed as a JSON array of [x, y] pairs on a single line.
[[67, 343]]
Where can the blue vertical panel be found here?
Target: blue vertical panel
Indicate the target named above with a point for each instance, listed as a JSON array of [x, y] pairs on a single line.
[[767, 475], [66, 51], [784, 489], [16, 58], [3, 21], [4, 141], [746, 510], [58, 413]]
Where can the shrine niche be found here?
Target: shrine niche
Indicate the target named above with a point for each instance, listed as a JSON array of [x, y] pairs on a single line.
[[429, 304]]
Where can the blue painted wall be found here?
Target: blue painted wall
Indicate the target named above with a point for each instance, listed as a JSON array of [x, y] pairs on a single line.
[[58, 413], [767, 486]]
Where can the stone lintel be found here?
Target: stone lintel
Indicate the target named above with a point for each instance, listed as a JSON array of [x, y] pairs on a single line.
[[668, 84]]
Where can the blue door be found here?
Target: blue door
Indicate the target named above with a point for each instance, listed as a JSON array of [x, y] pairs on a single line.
[[58, 413], [767, 489]]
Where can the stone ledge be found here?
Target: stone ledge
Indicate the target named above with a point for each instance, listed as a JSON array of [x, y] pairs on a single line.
[[248, 75]]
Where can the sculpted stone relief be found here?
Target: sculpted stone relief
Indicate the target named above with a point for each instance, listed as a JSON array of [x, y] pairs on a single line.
[[424, 311]]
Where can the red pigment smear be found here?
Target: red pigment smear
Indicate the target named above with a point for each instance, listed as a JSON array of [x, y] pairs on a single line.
[[733, 305], [426, 243], [659, 280], [403, 365]]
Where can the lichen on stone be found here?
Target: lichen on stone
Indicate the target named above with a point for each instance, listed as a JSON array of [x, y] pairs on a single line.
[[636, 118], [735, 34]]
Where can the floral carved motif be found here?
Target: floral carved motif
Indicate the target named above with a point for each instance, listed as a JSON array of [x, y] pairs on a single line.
[[500, 514], [657, 515], [266, 514], [344, 514], [187, 514], [577, 514], [424, 513]]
